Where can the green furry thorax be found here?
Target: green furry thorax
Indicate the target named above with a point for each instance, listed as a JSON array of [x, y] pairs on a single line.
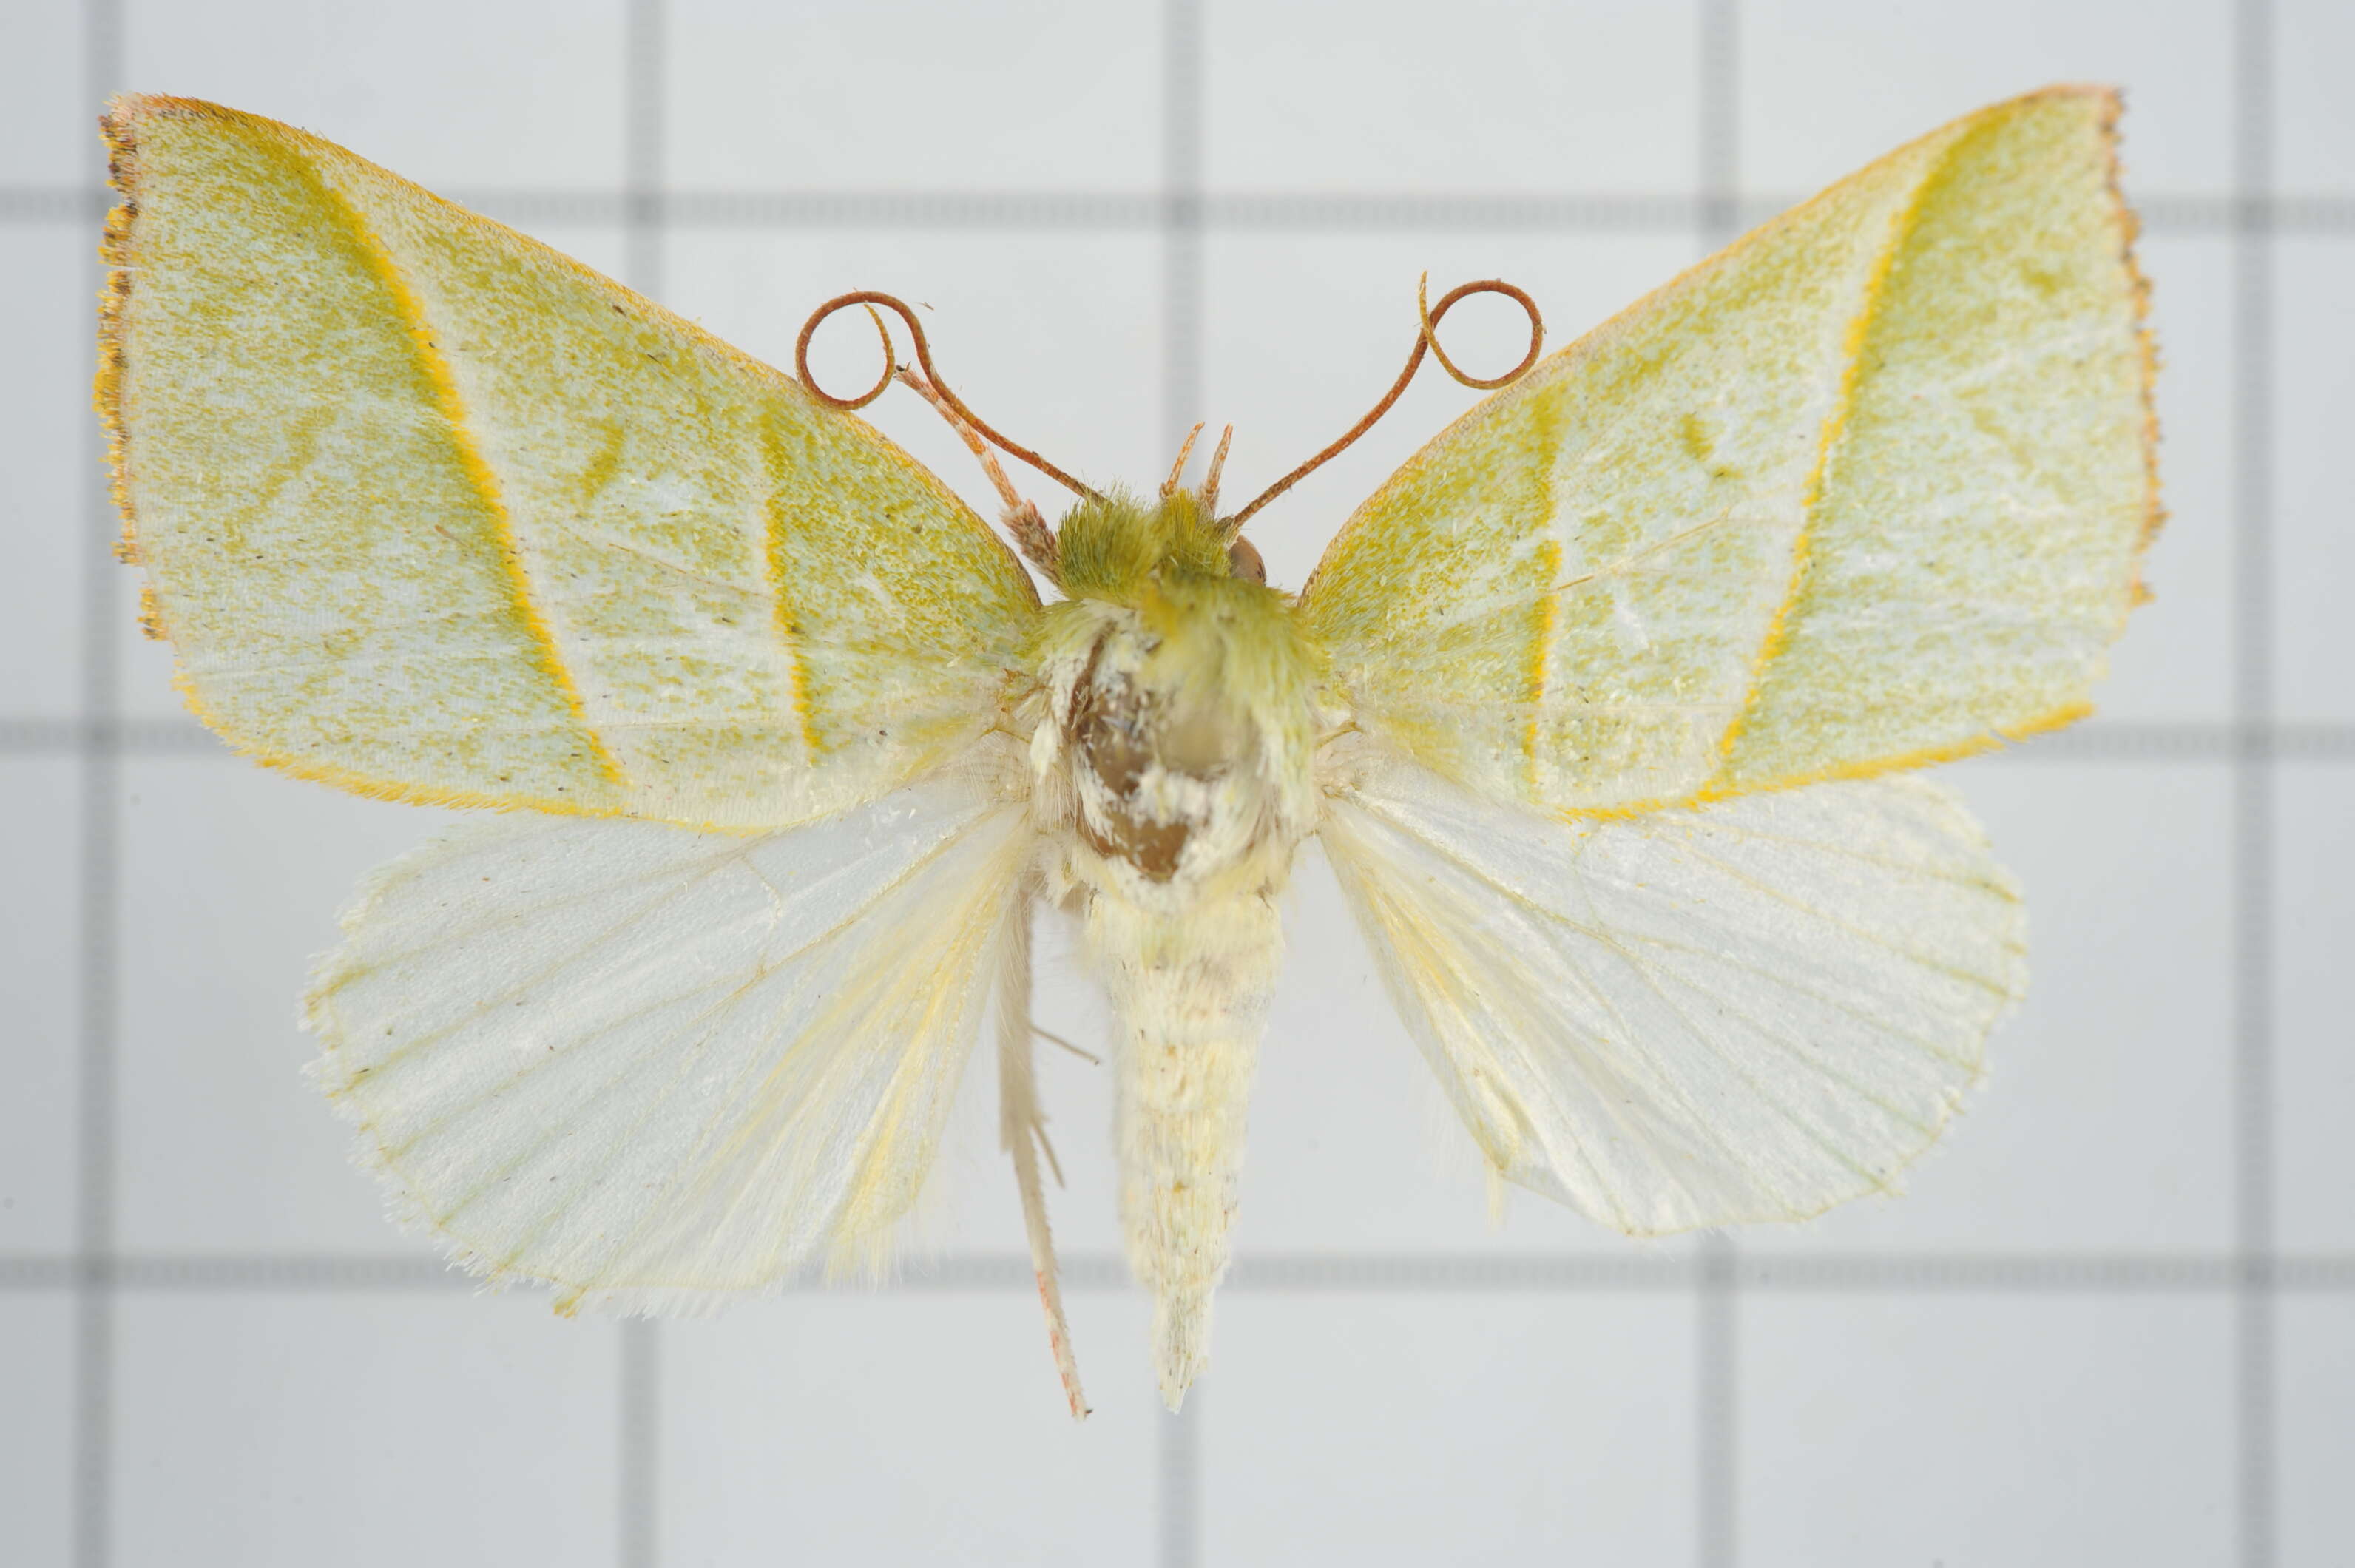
[[1167, 562], [1112, 547]]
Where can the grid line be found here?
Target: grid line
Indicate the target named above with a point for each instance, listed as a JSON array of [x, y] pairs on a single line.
[[1605, 212], [1717, 1304], [1178, 1436], [1178, 1482], [2124, 740], [2254, 1319], [637, 1502], [646, 206], [638, 1452], [98, 941], [1715, 1282], [1404, 1273], [1179, 216]]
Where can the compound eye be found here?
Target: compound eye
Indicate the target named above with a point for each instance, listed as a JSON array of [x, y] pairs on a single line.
[[1243, 562]]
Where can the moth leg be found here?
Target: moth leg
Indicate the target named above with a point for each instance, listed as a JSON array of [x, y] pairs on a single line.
[[1030, 532], [1022, 1129], [1051, 1037]]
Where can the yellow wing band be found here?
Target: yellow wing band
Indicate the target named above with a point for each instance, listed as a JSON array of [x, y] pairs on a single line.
[[1992, 482], [496, 523]]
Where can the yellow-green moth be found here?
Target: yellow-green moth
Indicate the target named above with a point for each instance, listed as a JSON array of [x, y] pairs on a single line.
[[1604, 708]]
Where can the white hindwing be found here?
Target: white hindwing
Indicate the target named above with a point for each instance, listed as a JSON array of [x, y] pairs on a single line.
[[644, 1063], [1751, 1009]]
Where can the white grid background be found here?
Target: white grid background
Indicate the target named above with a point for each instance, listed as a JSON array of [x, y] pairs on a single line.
[[2114, 1322]]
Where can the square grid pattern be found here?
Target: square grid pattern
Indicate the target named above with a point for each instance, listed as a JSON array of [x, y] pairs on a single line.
[[2115, 1320]]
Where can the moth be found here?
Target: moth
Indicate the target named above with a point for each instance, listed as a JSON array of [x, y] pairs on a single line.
[[1606, 708]]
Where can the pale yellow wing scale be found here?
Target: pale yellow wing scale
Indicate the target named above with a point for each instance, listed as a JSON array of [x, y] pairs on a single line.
[[432, 512], [646, 1064], [1747, 1010], [1867, 488]]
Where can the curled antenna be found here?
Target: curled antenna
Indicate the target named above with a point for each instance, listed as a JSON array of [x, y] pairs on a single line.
[[870, 299], [1031, 534], [1426, 340]]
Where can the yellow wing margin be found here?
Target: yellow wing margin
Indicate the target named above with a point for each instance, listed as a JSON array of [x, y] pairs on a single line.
[[1867, 489], [432, 513]]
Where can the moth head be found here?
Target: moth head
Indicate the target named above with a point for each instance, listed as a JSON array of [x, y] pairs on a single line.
[[1114, 545]]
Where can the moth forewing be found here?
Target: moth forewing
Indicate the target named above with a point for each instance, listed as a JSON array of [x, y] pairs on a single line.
[[431, 512], [1655, 569]]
